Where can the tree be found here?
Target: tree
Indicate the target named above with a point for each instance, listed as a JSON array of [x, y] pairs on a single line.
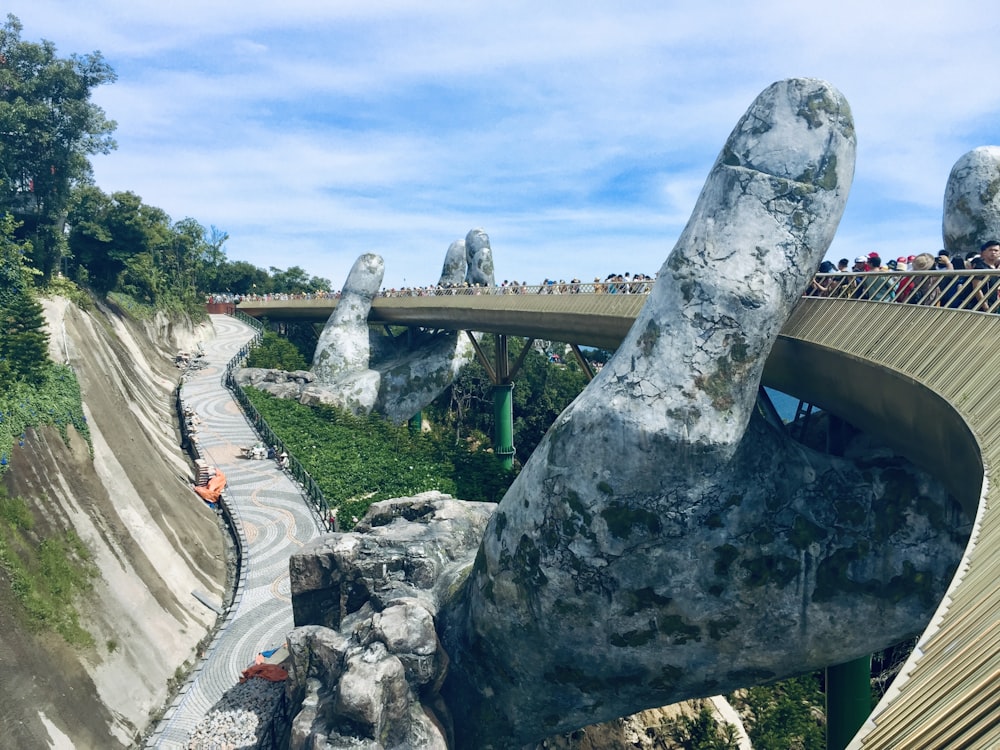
[[241, 277], [211, 262], [295, 280], [276, 353], [106, 232], [24, 344], [699, 732], [23, 340], [49, 127]]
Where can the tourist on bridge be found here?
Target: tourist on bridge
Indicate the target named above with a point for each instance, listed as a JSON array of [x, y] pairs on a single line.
[[985, 290]]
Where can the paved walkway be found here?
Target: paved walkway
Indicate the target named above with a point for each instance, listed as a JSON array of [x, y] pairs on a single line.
[[271, 516]]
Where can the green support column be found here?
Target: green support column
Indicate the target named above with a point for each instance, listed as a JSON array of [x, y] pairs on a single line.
[[416, 423], [848, 700], [503, 423]]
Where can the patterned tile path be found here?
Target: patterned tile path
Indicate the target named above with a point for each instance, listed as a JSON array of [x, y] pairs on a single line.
[[272, 518]]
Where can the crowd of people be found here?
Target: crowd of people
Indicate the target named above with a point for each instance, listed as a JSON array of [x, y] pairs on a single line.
[[906, 279], [903, 279], [626, 283]]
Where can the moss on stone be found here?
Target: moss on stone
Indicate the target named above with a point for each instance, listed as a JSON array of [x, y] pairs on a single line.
[[713, 521], [499, 524], [718, 385], [526, 565], [632, 638], [621, 519], [725, 556], [817, 108], [675, 627], [850, 512], [634, 601], [648, 338], [777, 569], [718, 629], [605, 488], [804, 532], [833, 577], [576, 505], [899, 492], [762, 536]]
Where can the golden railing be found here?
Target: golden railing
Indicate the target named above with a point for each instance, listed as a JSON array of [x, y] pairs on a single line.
[[924, 377]]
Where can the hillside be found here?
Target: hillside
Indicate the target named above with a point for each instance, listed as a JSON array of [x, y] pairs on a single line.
[[153, 541]]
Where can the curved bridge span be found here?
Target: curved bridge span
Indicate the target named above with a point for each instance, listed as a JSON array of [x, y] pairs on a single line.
[[920, 378]]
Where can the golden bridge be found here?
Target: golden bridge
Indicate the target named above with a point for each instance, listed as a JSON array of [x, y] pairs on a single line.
[[918, 376]]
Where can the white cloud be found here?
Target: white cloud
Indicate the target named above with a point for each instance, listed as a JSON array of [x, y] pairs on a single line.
[[311, 132]]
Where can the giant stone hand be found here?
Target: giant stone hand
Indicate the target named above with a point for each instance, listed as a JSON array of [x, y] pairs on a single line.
[[364, 370], [663, 542]]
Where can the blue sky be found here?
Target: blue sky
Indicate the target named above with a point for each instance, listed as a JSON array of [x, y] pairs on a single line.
[[578, 135]]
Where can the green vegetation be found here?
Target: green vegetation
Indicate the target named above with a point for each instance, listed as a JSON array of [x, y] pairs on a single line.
[[698, 732], [50, 127], [785, 715], [54, 399], [542, 390], [46, 572], [356, 461], [33, 391], [276, 352]]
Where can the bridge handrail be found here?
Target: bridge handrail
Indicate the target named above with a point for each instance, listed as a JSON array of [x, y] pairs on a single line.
[[320, 505], [933, 287]]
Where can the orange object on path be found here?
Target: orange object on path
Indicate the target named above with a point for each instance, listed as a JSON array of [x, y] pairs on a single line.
[[211, 492], [271, 672]]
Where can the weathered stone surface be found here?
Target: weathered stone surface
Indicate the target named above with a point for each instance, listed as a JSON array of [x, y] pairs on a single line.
[[407, 549], [380, 587], [343, 345], [972, 201], [410, 381], [661, 544], [363, 370], [479, 257], [455, 265]]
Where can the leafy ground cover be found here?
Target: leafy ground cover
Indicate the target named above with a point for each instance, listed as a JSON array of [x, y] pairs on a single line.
[[45, 571], [55, 400], [356, 461]]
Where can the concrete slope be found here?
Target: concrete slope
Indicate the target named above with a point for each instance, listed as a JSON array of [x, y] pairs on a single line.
[[152, 540]]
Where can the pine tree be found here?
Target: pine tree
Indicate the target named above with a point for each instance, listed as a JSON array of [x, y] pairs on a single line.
[[23, 339]]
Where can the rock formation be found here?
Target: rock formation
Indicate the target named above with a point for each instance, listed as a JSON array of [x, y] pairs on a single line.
[[361, 370], [455, 265], [479, 256], [370, 658], [972, 201], [663, 542]]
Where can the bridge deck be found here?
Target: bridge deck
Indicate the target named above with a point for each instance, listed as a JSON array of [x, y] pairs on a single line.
[[921, 378]]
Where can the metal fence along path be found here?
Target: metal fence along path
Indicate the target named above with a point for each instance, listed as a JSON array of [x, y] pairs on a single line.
[[271, 520]]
